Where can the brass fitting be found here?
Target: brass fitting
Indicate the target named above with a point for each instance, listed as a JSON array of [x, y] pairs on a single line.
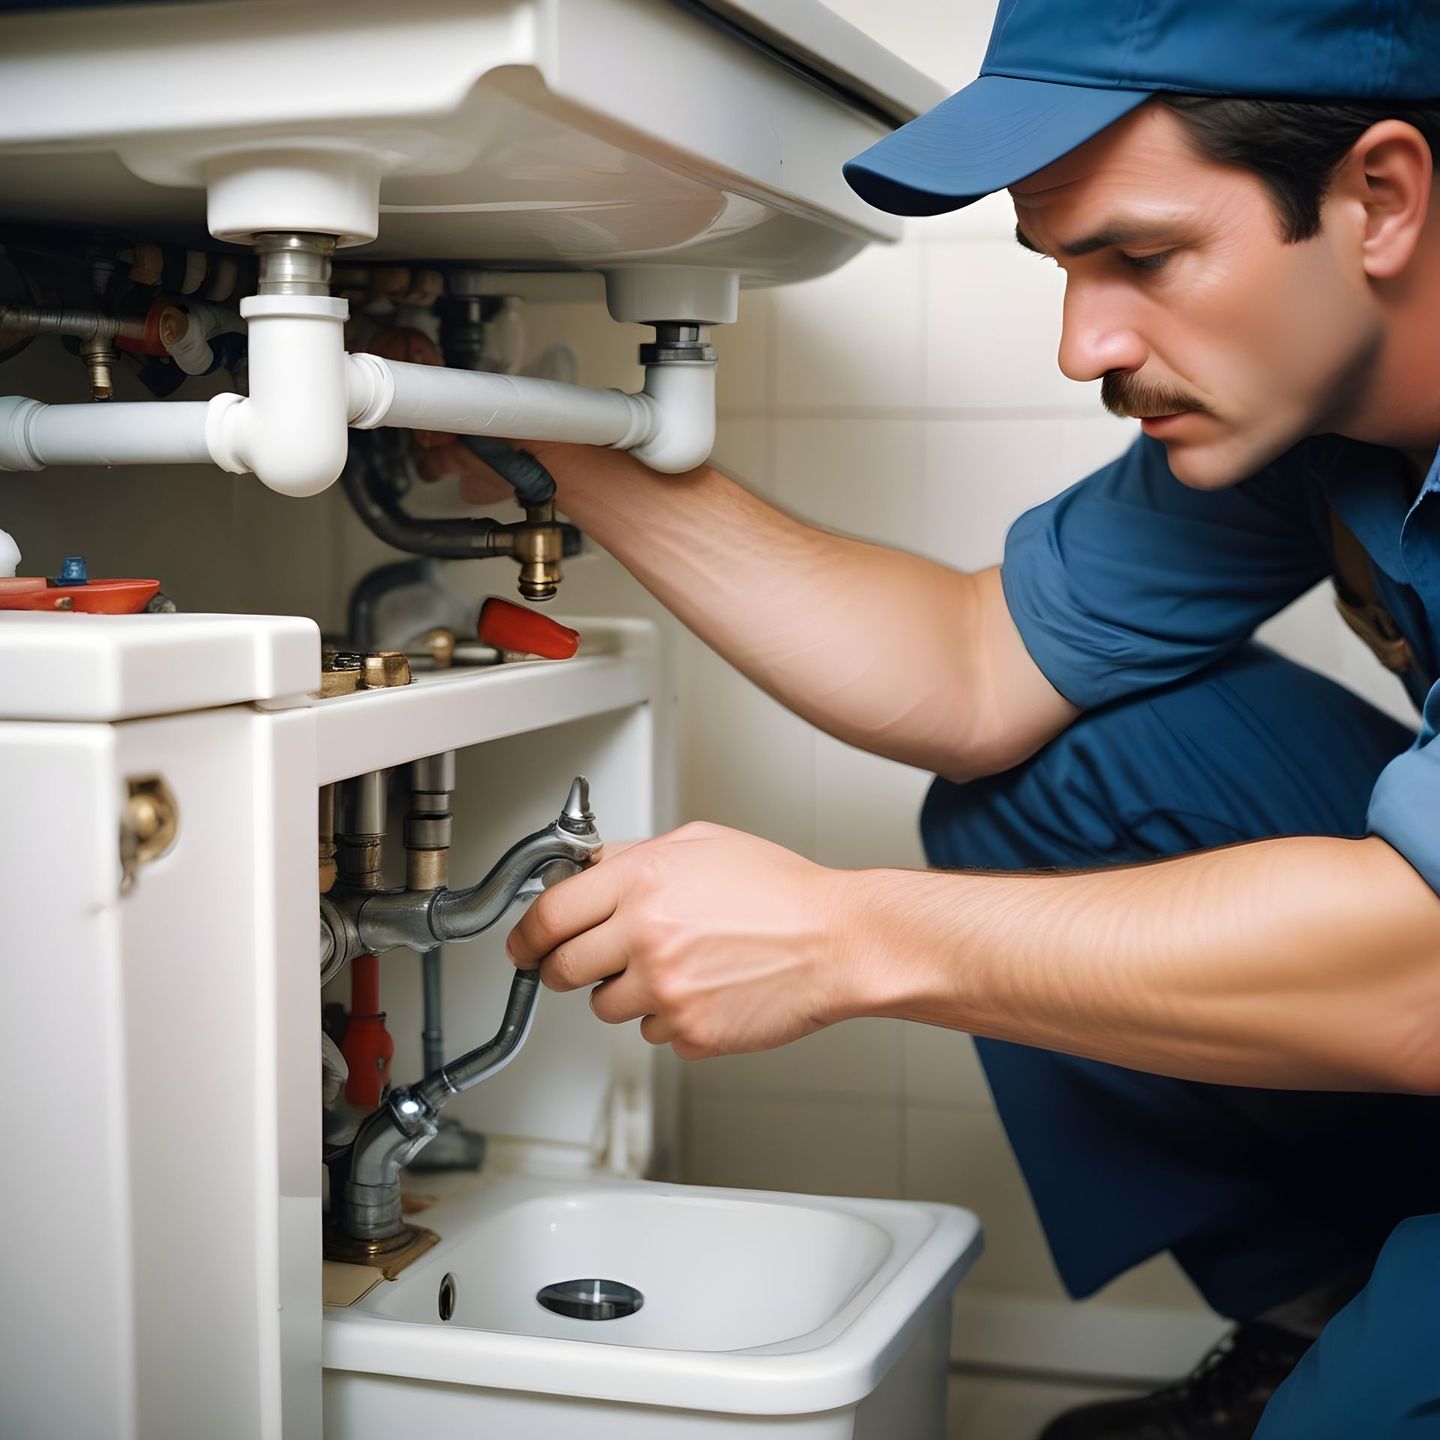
[[440, 645], [346, 671], [340, 673], [427, 869], [385, 668], [98, 353], [539, 547]]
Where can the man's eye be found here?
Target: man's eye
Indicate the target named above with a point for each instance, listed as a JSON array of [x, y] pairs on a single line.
[[1147, 264]]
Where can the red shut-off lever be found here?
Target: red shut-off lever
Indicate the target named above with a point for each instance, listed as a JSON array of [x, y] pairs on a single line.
[[512, 627]]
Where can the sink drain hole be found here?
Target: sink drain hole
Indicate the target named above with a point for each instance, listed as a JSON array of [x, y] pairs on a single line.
[[591, 1299], [447, 1297]]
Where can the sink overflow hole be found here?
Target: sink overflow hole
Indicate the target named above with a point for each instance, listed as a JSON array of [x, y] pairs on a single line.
[[447, 1297], [591, 1299]]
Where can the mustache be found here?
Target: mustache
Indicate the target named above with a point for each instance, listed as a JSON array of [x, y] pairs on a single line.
[[1131, 398]]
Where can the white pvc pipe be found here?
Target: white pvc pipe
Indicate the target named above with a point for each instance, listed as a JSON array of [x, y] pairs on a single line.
[[291, 430], [477, 402], [683, 397], [670, 425], [34, 435]]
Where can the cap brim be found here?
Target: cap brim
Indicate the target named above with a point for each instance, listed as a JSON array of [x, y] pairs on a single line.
[[991, 134]]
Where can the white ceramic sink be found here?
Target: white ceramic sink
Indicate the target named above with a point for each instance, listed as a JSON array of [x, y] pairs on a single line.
[[756, 1307]]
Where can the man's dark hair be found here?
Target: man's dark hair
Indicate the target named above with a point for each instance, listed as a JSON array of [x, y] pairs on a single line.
[[1293, 146]]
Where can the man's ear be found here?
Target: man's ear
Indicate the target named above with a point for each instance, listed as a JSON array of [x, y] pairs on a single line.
[[1387, 174]]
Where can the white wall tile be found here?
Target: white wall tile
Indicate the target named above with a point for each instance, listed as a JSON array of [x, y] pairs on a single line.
[[992, 329], [608, 352], [961, 1157], [742, 450], [742, 377], [992, 218], [941, 1068], [944, 38], [748, 762], [855, 1060], [819, 1147], [859, 477], [866, 809], [981, 474], [852, 338]]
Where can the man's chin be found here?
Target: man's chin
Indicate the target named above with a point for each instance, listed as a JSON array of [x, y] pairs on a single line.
[[1213, 464]]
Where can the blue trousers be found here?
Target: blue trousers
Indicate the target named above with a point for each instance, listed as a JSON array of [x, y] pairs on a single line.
[[1260, 1195]]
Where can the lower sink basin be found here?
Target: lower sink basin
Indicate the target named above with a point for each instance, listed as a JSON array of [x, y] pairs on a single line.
[[666, 1309]]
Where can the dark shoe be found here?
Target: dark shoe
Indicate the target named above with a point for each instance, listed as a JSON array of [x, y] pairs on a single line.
[[1221, 1399]]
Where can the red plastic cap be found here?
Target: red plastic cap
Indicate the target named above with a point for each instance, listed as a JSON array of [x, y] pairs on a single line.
[[512, 627]]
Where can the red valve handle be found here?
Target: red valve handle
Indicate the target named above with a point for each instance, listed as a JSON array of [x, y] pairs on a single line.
[[99, 597], [513, 627]]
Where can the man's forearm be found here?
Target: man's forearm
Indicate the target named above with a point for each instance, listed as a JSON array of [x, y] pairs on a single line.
[[885, 650], [1307, 963]]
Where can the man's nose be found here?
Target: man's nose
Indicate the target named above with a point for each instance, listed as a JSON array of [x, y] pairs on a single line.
[[1096, 337]]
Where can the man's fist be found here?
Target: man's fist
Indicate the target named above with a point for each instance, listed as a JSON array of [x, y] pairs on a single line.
[[717, 942]]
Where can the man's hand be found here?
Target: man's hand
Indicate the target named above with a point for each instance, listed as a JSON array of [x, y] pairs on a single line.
[[719, 943]]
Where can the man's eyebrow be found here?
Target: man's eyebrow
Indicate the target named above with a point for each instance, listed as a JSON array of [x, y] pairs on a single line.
[[1101, 239]]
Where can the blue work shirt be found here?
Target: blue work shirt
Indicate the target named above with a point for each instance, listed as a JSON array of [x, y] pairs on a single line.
[[1130, 580]]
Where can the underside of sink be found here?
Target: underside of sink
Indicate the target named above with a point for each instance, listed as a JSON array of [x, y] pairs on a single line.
[[515, 134]]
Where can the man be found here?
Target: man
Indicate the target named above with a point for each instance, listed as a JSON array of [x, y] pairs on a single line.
[[1227, 1053]]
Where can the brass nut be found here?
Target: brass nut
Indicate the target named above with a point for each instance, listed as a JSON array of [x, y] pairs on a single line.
[[341, 673], [385, 668]]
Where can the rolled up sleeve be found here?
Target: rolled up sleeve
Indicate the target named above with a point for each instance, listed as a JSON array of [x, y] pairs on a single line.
[[1130, 580], [1405, 804]]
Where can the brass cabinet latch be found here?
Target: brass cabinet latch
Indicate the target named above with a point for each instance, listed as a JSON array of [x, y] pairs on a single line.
[[149, 822]]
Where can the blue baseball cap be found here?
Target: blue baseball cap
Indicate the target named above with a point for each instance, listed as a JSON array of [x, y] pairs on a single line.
[[1059, 71]]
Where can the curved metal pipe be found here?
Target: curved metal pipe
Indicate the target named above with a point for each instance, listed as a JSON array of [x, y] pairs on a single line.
[[376, 503], [443, 1084], [462, 914], [532, 483], [473, 537], [391, 1136]]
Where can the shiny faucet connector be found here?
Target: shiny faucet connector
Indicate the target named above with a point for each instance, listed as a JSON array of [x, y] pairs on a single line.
[[539, 546]]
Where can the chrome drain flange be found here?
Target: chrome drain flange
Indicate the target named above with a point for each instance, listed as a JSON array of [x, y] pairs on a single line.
[[591, 1299]]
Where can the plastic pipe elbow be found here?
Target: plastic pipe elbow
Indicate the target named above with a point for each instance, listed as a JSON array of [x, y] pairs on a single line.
[[291, 431], [683, 397]]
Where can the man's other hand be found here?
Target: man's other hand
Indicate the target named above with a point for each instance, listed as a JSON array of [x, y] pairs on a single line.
[[717, 942]]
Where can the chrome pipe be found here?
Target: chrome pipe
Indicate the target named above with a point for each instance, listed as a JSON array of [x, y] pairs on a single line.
[[441, 1086]]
